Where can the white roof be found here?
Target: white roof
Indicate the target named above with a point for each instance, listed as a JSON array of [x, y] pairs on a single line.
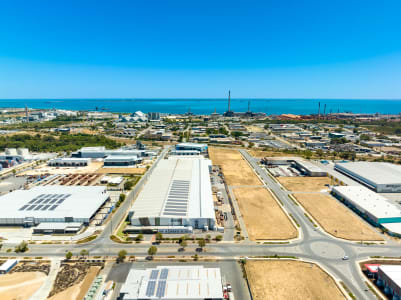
[[119, 158], [367, 200], [177, 188], [191, 145], [309, 166], [375, 172], [8, 264], [174, 282], [393, 272], [58, 225], [393, 227], [53, 201]]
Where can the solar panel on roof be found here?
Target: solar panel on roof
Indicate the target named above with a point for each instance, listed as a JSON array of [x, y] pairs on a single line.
[[174, 214], [45, 207], [38, 207], [164, 274], [53, 207], [33, 200], [52, 201], [60, 201], [31, 207], [150, 289], [153, 274], [45, 201], [25, 206], [39, 200], [161, 288]]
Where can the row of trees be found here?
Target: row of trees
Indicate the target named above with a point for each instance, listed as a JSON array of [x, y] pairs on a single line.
[[54, 143]]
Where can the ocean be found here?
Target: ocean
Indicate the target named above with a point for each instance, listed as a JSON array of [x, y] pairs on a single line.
[[207, 106]]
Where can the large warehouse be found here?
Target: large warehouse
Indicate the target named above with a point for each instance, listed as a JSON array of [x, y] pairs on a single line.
[[380, 177], [173, 282], [374, 207], [52, 204], [178, 193]]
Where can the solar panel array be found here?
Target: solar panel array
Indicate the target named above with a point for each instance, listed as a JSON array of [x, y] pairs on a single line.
[[163, 274], [150, 289], [177, 199], [153, 274], [161, 288], [45, 202]]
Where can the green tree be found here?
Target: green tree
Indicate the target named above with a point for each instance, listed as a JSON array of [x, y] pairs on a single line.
[[219, 238], [159, 236], [121, 255], [183, 244], [139, 237], [128, 185], [22, 247], [84, 252], [152, 251], [201, 243], [68, 255]]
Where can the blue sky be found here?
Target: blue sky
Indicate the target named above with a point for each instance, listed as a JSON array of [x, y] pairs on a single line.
[[260, 49]]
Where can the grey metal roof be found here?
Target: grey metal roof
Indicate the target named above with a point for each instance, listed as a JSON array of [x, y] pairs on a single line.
[[375, 172], [54, 201], [177, 187]]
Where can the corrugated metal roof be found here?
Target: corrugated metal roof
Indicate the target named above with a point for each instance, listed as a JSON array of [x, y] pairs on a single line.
[[375, 172], [177, 187]]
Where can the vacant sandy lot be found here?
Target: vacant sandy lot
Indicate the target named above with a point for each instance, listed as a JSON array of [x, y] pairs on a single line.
[[264, 219], [254, 129], [93, 167], [304, 184], [337, 219], [290, 280], [235, 169], [20, 285], [133, 171], [79, 290]]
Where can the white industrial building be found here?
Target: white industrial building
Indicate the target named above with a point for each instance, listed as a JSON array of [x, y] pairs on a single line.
[[52, 204], [191, 146], [178, 193], [69, 162], [102, 152], [389, 276], [379, 176], [185, 152], [173, 283], [372, 206], [121, 160], [309, 168]]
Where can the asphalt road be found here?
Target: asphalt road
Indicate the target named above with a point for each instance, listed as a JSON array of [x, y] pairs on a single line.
[[313, 245]]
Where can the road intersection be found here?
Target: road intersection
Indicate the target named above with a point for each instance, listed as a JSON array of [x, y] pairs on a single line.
[[314, 245]]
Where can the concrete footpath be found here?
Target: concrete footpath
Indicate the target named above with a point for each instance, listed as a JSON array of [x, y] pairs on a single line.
[[46, 287]]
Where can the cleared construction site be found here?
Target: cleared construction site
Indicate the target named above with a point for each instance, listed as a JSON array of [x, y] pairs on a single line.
[[337, 219], [236, 170], [263, 216], [290, 279]]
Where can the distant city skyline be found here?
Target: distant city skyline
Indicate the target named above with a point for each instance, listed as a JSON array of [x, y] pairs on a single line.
[[181, 49]]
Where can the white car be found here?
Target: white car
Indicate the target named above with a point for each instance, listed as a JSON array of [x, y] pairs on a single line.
[[345, 257]]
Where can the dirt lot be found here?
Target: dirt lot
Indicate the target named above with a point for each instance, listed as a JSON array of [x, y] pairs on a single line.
[[93, 167], [304, 184], [134, 171], [337, 219], [264, 219], [20, 285], [78, 291], [254, 129], [290, 280], [235, 169]]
